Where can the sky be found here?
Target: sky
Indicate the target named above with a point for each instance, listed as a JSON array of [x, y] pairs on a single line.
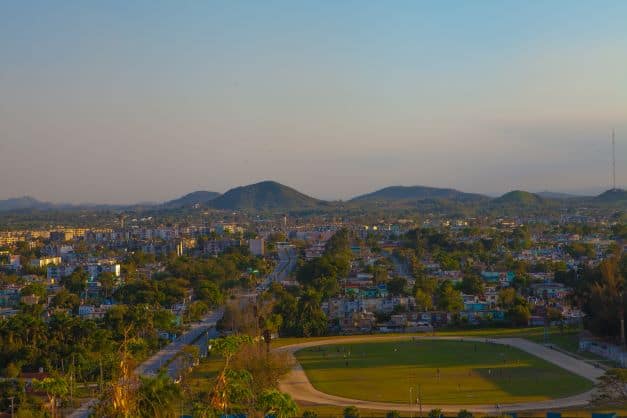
[[132, 101]]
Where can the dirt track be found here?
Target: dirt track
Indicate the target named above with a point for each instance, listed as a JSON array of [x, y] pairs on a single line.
[[298, 386]]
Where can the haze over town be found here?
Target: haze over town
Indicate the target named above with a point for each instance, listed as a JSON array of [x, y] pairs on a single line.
[[122, 103]]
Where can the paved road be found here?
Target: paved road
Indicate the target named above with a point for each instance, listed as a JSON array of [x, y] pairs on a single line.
[[151, 366], [298, 386]]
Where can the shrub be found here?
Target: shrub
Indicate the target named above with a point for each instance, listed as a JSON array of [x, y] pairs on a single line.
[[351, 412], [464, 414]]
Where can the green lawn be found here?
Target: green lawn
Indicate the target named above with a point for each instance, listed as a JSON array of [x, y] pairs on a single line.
[[446, 372]]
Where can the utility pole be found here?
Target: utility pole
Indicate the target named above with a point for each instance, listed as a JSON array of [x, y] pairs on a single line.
[[411, 412], [12, 413], [419, 400]]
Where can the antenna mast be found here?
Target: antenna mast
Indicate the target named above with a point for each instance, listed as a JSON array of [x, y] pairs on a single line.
[[613, 161]]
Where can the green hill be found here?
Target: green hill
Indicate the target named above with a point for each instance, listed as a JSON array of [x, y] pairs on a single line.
[[25, 202], [612, 196], [414, 193], [518, 198], [200, 197], [267, 195]]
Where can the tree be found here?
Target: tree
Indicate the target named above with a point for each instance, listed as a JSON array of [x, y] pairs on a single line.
[[464, 413], [107, 283], [76, 282], [520, 315], [227, 347], [56, 388], [424, 301], [158, 397], [351, 412], [11, 371], [507, 298], [66, 300], [472, 284], [449, 299], [435, 413], [312, 321], [277, 404], [397, 285], [607, 300]]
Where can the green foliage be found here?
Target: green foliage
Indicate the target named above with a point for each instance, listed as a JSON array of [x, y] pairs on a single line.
[[158, 397], [309, 414], [228, 346], [76, 282], [323, 273], [606, 298], [448, 298], [424, 301], [472, 284], [351, 412], [435, 413], [280, 405], [397, 286], [464, 414], [520, 315], [580, 249], [393, 414]]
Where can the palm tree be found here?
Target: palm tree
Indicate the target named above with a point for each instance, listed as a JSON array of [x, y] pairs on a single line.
[[158, 397]]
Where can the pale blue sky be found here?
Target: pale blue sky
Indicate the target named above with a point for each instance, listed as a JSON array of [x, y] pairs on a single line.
[[124, 101]]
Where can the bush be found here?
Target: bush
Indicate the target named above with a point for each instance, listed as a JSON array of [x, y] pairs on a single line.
[[435, 413], [393, 414], [310, 414], [464, 413], [351, 412]]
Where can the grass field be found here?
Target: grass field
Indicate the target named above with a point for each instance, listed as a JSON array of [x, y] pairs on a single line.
[[451, 372]]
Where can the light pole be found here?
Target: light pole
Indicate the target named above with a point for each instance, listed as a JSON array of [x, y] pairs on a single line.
[[411, 412]]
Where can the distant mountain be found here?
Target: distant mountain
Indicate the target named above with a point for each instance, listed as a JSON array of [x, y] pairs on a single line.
[[414, 193], [558, 195], [267, 195], [518, 198], [200, 197], [612, 196], [24, 202]]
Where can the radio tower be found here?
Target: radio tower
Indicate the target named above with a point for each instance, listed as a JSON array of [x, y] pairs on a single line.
[[613, 161]]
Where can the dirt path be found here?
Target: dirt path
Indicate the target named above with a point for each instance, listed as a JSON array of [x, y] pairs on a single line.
[[298, 386]]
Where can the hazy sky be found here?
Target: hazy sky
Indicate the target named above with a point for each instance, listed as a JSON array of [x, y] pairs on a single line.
[[126, 101]]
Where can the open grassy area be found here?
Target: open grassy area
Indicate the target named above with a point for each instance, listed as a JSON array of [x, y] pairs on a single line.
[[566, 339], [202, 376], [444, 372], [332, 411]]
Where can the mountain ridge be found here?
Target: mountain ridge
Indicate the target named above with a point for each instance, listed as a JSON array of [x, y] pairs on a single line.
[[397, 193], [201, 197], [264, 195]]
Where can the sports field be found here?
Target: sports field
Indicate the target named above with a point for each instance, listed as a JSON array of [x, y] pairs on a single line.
[[443, 372]]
